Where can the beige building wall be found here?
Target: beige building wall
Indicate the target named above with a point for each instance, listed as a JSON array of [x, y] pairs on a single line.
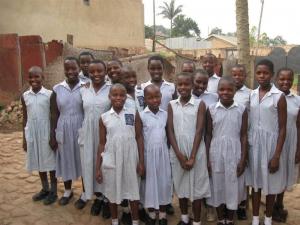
[[217, 43], [101, 24]]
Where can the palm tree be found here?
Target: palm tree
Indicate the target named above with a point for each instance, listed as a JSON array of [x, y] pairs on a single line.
[[169, 11], [242, 32]]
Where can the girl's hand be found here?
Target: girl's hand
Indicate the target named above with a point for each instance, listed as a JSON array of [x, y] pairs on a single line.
[[209, 168], [99, 176], [182, 160], [297, 159], [53, 143], [189, 164], [141, 169], [240, 168], [274, 165]]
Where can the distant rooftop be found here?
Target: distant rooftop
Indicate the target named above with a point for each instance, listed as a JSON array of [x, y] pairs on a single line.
[[229, 39], [185, 43]]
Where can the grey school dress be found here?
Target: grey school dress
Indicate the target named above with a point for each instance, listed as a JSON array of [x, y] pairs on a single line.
[[192, 184], [70, 119], [263, 136], [225, 154], [120, 157], [290, 145], [39, 156], [157, 186], [94, 105]]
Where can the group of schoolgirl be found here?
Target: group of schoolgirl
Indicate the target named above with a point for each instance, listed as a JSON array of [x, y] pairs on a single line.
[[135, 144]]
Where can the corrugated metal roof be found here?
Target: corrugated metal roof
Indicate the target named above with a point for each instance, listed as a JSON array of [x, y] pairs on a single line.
[[230, 39], [187, 43]]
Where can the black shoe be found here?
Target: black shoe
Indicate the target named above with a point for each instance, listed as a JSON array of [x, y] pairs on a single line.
[[126, 219], [142, 215], [80, 204], [96, 207], [40, 196], [65, 200], [279, 214], [241, 214], [183, 223], [169, 209], [106, 210], [50, 199], [163, 221]]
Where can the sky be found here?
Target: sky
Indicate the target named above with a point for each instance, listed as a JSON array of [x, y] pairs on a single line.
[[280, 17]]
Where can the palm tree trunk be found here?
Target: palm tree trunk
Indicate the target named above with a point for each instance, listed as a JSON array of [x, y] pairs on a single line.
[[243, 43]]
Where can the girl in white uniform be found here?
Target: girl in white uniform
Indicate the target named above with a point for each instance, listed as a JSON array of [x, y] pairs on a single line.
[[291, 152], [226, 141], [36, 122], [267, 131], [95, 103], [186, 119], [157, 186], [120, 159]]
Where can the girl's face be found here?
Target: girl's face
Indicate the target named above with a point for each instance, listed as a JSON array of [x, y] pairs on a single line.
[[263, 75], [209, 64], [285, 81], [200, 84], [114, 72], [156, 69], [187, 67], [239, 77], [97, 73], [117, 97], [226, 92], [71, 71], [184, 86], [129, 79], [35, 80], [153, 98], [84, 63]]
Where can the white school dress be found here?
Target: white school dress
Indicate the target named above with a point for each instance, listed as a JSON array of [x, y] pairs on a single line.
[[157, 186], [262, 137], [83, 79], [40, 156], [94, 105], [136, 103], [290, 145], [167, 90], [225, 154], [120, 158], [242, 96], [213, 83], [192, 184], [69, 102], [208, 98]]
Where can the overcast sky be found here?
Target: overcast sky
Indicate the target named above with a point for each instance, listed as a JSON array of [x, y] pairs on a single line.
[[280, 17]]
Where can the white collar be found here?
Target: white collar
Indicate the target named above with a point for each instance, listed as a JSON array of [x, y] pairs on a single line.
[[273, 90], [66, 85], [147, 110], [112, 111], [42, 91], [215, 76], [191, 101], [219, 104]]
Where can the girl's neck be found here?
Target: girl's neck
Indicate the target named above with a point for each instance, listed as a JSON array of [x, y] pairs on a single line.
[[36, 90], [227, 104], [184, 100], [153, 110], [117, 109], [198, 94], [158, 83], [72, 85], [287, 92], [131, 92], [266, 88], [239, 88], [98, 86]]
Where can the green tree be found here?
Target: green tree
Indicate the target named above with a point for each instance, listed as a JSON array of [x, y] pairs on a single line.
[[216, 30], [148, 31], [185, 26], [278, 40], [170, 11]]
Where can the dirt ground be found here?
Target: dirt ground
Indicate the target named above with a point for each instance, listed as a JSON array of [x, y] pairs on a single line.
[[17, 187]]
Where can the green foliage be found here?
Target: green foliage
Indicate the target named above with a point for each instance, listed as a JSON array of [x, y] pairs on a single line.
[[148, 31], [264, 39], [185, 26], [217, 31]]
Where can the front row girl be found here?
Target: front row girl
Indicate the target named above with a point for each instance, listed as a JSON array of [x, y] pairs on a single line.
[[186, 119], [120, 158], [226, 141]]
